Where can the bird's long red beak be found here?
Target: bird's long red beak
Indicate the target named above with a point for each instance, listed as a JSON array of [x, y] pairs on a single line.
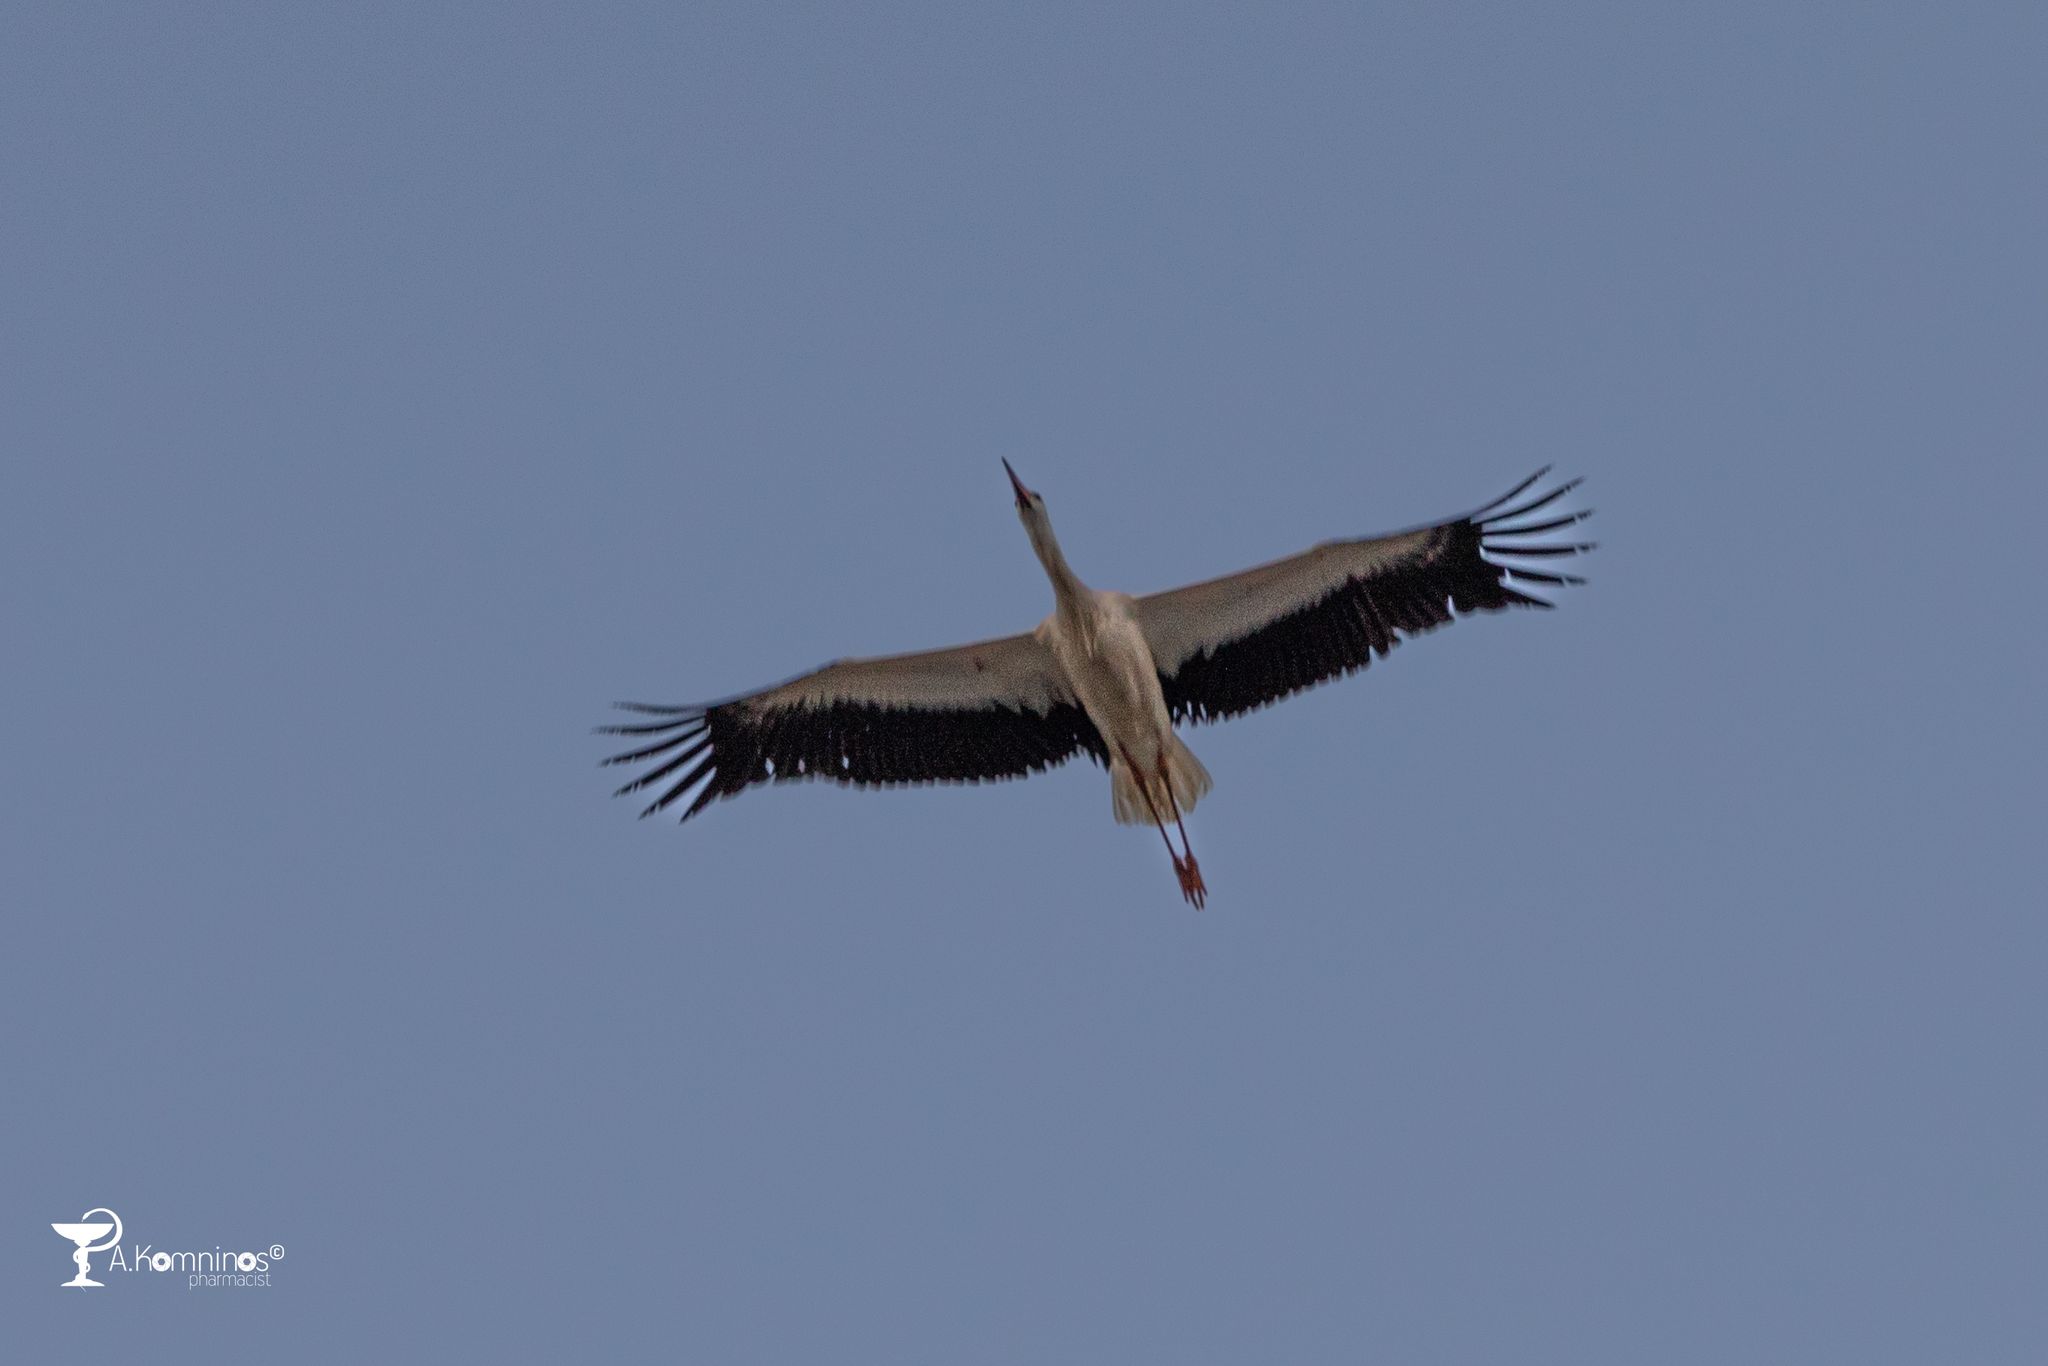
[[1023, 494]]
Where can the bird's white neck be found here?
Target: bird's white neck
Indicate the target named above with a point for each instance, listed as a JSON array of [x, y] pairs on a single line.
[[1067, 589]]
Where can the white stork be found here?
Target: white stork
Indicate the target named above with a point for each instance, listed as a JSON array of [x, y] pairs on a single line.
[[1106, 674]]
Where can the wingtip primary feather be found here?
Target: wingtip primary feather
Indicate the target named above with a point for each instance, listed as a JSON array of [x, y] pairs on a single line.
[[1573, 548], [1555, 524], [1511, 494], [1537, 576], [1545, 501]]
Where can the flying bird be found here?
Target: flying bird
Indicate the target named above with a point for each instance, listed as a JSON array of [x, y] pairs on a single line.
[[1107, 674]]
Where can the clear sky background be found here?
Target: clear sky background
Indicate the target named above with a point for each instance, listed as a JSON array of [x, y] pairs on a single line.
[[386, 389]]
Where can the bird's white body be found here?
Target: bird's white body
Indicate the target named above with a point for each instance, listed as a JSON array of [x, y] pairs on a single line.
[[1107, 674], [1098, 643], [1101, 648]]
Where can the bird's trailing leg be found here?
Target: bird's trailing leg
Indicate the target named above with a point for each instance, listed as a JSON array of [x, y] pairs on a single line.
[[1190, 877], [1191, 885]]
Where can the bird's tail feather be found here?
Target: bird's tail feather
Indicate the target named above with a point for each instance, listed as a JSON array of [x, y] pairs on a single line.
[[1184, 771], [1190, 779], [1124, 797]]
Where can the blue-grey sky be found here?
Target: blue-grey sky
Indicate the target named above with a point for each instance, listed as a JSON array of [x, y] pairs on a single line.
[[389, 388]]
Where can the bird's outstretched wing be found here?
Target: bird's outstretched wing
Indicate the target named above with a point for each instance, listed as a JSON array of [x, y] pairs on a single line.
[[994, 709], [1234, 644]]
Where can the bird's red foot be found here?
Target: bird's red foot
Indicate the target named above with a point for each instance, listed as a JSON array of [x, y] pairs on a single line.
[[1191, 885]]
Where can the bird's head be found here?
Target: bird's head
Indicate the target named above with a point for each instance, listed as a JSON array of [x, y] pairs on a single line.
[[1027, 501]]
